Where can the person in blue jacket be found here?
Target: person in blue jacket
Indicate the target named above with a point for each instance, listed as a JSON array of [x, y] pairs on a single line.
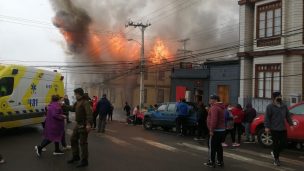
[[182, 114]]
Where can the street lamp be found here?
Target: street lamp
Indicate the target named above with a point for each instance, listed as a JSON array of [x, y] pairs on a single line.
[[141, 87]]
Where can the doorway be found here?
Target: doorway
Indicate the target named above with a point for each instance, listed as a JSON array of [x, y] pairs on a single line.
[[223, 92]]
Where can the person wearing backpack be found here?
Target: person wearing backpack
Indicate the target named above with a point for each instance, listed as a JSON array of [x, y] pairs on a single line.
[[229, 125]]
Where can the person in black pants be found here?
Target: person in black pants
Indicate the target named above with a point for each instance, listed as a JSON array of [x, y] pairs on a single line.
[[201, 119], [65, 111], [275, 116], [183, 112], [216, 125], [238, 116], [110, 115], [127, 108]]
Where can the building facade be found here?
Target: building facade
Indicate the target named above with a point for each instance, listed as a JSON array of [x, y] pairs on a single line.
[[271, 51], [216, 77]]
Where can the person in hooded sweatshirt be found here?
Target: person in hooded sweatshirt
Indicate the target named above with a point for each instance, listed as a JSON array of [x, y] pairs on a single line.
[[250, 114], [216, 126], [54, 127], [238, 116], [276, 115]]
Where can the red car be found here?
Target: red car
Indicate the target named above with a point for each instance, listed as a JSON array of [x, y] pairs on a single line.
[[294, 134]]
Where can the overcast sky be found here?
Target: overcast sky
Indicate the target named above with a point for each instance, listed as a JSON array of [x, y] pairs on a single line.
[[27, 41]]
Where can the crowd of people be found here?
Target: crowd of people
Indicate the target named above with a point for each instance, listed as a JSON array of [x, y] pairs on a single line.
[[214, 123], [223, 120]]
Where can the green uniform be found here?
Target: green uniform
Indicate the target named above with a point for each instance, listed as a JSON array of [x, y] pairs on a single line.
[[83, 112]]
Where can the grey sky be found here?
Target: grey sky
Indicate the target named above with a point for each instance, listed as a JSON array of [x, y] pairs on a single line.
[[23, 40]]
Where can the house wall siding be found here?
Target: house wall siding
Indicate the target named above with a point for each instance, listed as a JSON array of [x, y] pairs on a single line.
[[292, 84]]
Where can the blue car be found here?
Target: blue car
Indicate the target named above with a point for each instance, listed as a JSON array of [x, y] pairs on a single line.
[[165, 117]]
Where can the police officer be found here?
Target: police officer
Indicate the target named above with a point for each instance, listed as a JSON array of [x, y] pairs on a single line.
[[83, 113]]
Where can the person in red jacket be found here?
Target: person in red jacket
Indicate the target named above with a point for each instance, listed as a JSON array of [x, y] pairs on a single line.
[[238, 116], [95, 113], [216, 126]]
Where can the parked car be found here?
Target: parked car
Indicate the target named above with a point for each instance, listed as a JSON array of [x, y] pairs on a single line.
[[165, 117], [294, 134]]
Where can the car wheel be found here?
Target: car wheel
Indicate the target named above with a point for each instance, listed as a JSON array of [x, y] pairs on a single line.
[[265, 139], [148, 124]]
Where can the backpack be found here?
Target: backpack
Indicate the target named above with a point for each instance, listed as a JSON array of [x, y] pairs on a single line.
[[230, 122]]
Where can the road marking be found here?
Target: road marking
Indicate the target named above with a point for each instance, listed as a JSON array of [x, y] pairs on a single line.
[[156, 144], [114, 140], [294, 162], [238, 157]]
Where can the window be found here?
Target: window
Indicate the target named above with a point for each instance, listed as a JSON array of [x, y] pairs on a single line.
[[172, 107], [162, 107], [269, 22], [161, 75], [145, 95], [6, 86], [298, 110], [268, 80], [160, 95]]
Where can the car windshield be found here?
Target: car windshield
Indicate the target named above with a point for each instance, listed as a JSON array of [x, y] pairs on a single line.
[[298, 110], [172, 107]]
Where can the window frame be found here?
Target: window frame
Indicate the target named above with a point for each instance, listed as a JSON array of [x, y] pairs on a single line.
[[267, 68], [274, 39]]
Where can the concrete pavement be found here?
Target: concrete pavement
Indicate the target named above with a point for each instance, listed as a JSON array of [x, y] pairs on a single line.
[[128, 147]]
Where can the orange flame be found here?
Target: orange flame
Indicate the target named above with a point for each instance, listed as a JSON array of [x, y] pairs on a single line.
[[159, 52], [120, 48], [94, 45]]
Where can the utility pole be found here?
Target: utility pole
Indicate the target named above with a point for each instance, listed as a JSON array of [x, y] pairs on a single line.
[[184, 42], [142, 28]]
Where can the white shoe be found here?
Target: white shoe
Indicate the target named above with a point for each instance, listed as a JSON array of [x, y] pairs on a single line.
[[68, 147], [235, 145], [224, 145], [43, 149], [55, 153], [272, 155], [2, 161]]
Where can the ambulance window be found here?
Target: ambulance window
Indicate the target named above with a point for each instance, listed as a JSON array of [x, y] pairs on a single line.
[[6, 86]]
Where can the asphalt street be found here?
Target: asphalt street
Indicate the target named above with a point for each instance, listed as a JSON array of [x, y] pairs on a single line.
[[128, 147]]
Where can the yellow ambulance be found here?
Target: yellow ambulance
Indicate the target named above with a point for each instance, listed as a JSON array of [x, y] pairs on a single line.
[[25, 93]]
